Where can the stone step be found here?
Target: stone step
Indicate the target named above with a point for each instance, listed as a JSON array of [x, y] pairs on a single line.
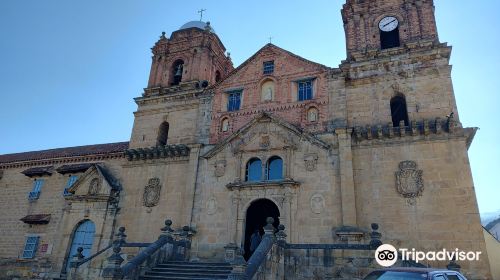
[[189, 271], [193, 269]]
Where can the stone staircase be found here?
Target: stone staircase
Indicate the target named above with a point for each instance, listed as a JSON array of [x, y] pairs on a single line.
[[189, 271]]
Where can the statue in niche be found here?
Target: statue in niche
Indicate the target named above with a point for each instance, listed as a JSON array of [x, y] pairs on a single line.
[[312, 115], [94, 186], [268, 91]]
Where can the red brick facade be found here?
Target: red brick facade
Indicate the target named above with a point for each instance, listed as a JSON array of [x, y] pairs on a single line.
[[249, 77], [201, 51]]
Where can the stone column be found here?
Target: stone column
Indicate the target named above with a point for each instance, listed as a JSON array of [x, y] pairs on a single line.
[[189, 191], [348, 196]]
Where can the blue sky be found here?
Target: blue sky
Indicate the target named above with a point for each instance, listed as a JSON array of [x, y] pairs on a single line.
[[69, 69]]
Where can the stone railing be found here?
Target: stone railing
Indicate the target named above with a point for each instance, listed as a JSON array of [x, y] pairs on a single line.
[[274, 257], [171, 245], [167, 151], [425, 127]]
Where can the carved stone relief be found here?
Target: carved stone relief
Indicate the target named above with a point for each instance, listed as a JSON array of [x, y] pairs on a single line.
[[220, 168], [151, 195], [310, 161], [94, 186], [265, 142], [409, 182], [317, 203], [211, 206]]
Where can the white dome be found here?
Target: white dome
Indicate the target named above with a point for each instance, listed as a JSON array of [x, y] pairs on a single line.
[[197, 24]]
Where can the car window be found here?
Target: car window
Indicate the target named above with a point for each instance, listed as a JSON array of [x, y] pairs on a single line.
[[439, 277], [451, 276], [396, 275]]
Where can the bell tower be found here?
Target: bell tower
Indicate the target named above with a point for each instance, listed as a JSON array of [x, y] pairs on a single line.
[[172, 109], [192, 54], [396, 61], [376, 25]]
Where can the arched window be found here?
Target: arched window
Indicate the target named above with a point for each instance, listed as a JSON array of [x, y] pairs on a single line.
[[254, 170], [217, 76], [224, 126], [398, 110], [177, 70], [274, 168], [162, 134], [82, 237]]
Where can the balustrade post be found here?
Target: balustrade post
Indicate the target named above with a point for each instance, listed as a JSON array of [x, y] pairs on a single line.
[[77, 258], [239, 267], [375, 236], [113, 269]]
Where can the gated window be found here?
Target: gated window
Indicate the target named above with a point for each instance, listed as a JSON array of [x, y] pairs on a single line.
[[398, 111], [305, 90], [254, 170], [82, 237], [274, 168], [30, 247], [234, 101], [268, 67], [71, 180], [37, 188]]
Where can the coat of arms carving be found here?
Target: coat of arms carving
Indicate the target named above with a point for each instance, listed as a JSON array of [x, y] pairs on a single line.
[[311, 161], [151, 195], [220, 168], [409, 182]]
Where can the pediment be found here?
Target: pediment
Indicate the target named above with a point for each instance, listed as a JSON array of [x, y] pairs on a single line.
[[95, 184], [266, 132], [270, 52]]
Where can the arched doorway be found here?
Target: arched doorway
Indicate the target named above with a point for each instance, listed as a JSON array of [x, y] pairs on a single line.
[[256, 216], [82, 237]]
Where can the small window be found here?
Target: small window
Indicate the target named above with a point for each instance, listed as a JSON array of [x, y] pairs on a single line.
[[234, 101], [274, 168], [71, 180], [217, 76], [254, 170], [268, 67], [37, 188], [224, 127], [30, 247], [305, 90], [398, 111], [162, 138]]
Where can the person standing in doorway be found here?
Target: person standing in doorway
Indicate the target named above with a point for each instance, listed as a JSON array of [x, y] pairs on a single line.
[[255, 240]]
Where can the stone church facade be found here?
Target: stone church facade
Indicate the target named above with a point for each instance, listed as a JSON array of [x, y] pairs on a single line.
[[325, 151]]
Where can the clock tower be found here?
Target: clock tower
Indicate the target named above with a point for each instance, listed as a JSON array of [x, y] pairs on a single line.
[[396, 61], [371, 26]]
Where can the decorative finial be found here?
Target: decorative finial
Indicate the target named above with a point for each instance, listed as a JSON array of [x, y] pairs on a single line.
[[201, 13], [162, 35]]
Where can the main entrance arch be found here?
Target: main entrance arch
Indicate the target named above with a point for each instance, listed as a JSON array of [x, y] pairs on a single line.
[[256, 216]]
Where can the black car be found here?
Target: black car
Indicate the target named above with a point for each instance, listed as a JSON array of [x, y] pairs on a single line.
[[412, 273]]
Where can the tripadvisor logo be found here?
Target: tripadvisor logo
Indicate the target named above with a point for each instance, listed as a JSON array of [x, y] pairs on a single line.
[[387, 255]]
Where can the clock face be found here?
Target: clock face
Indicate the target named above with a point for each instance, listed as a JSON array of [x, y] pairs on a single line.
[[388, 24]]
